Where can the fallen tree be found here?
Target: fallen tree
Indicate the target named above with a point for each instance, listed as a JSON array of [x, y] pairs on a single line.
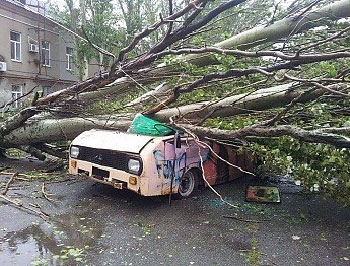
[[44, 129], [275, 77], [251, 38]]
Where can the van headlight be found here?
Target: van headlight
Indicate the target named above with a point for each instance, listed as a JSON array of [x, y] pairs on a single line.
[[134, 166], [74, 151]]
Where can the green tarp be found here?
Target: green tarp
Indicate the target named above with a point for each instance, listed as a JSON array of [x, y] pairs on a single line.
[[147, 126]]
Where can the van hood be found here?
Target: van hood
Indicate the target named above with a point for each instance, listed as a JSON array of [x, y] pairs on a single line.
[[112, 140]]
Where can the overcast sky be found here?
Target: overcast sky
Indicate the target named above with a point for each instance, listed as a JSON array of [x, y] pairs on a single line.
[[62, 3]]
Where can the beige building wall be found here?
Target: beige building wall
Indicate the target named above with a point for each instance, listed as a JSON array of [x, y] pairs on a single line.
[[29, 73]]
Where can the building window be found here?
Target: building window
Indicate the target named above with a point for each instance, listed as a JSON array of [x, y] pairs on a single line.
[[16, 94], [46, 91], [15, 40], [45, 53], [69, 58]]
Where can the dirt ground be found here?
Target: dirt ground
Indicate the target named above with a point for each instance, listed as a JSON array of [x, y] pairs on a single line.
[[93, 224]]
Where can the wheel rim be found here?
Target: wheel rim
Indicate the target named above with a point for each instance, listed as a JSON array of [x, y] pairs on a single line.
[[187, 184]]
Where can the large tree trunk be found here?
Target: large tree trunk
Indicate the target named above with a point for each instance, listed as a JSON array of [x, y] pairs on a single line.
[[47, 129], [51, 130], [284, 28], [312, 136], [259, 100]]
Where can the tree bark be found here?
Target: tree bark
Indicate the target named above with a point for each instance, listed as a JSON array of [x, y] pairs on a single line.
[[259, 100], [51, 130], [312, 136], [278, 30], [40, 129]]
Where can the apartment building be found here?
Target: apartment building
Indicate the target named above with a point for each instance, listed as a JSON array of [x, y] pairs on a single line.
[[36, 53]]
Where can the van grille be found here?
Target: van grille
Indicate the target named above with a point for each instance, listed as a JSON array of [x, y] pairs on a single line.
[[115, 159]]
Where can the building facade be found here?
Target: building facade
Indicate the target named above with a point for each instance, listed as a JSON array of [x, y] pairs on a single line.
[[36, 53]]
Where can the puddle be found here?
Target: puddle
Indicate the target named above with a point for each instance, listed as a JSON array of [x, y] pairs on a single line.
[[17, 252], [64, 241]]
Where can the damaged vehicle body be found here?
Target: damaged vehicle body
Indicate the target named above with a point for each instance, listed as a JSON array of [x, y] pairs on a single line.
[[156, 165]]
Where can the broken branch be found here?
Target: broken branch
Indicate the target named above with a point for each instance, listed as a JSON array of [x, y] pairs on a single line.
[[45, 194], [244, 220], [9, 183]]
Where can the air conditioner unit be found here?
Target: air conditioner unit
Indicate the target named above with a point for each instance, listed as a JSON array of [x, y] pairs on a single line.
[[34, 48], [3, 67]]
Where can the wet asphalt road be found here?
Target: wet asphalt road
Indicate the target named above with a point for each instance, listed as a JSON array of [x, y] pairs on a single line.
[[93, 224]]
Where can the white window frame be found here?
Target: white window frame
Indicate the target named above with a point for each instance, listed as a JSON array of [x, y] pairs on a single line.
[[45, 52], [46, 90], [16, 47], [69, 58], [16, 92]]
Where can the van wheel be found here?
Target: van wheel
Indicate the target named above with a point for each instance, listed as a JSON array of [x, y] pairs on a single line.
[[188, 184]]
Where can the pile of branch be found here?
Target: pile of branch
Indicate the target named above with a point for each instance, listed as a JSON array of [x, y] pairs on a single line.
[[18, 203]]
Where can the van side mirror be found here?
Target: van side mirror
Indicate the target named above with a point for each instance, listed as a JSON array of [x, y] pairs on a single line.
[[177, 140]]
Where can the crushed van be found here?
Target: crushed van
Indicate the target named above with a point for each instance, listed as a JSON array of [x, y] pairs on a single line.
[[154, 159]]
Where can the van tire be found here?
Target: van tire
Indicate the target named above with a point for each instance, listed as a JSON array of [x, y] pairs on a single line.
[[188, 184]]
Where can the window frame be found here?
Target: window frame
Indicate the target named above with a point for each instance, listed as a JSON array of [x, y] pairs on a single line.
[[15, 94], [16, 47], [69, 58], [46, 62], [45, 90]]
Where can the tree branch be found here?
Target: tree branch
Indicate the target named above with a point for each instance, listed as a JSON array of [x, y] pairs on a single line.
[[241, 53], [151, 29], [186, 29], [7, 186], [235, 73], [312, 136]]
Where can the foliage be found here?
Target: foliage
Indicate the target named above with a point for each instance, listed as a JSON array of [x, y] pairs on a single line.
[[253, 256], [239, 19], [40, 262], [98, 25], [72, 253], [108, 106], [317, 167]]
